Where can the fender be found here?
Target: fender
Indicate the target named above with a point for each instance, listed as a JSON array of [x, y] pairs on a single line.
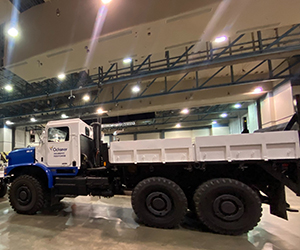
[[42, 166]]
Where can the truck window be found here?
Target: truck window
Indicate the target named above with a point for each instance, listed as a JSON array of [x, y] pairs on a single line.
[[87, 131], [58, 134]]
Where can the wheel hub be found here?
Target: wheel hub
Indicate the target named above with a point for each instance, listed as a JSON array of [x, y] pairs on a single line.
[[158, 203], [24, 195], [228, 207]]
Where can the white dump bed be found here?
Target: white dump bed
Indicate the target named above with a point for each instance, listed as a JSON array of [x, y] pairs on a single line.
[[160, 150], [258, 146]]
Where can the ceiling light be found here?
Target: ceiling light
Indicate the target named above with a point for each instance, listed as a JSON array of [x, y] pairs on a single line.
[[224, 115], [86, 98], [101, 111], [237, 106], [9, 123], [32, 119], [136, 89], [221, 39], [127, 60], [106, 1], [258, 90], [178, 125], [61, 76], [64, 116], [185, 111], [214, 122], [13, 32], [8, 87]]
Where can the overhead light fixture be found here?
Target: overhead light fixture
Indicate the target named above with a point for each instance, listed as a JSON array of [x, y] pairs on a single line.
[[224, 115], [136, 89], [61, 76], [237, 106], [32, 119], [13, 32], [101, 111], [221, 39], [214, 122], [8, 87], [178, 125], [127, 60], [86, 98], [106, 1], [258, 90], [9, 123], [185, 111], [64, 116]]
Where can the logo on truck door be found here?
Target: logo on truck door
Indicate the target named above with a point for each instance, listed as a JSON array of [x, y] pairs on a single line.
[[59, 152]]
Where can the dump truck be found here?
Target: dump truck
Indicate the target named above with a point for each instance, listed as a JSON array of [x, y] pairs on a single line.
[[223, 179]]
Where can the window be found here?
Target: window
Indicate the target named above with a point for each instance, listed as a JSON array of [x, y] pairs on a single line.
[[59, 134], [87, 131]]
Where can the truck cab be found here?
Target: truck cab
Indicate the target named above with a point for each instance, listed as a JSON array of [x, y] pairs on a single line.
[[60, 145]]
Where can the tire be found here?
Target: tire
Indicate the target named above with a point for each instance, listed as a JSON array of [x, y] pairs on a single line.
[[3, 189], [26, 195], [227, 206], [159, 202]]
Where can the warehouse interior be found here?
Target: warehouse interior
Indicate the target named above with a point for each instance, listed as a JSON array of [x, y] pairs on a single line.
[[146, 70]]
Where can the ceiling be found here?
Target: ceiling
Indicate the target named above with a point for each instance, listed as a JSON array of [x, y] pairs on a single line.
[[59, 36]]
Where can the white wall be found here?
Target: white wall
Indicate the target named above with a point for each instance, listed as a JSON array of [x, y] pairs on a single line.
[[277, 107], [148, 136], [5, 139], [20, 138], [235, 126], [220, 130], [125, 137], [252, 120]]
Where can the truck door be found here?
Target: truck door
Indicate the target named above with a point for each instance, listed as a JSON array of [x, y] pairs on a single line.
[[58, 152]]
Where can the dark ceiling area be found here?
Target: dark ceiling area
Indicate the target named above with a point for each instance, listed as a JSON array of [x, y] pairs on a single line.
[[23, 5]]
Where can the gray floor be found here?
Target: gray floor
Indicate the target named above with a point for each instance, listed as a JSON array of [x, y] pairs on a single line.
[[90, 223]]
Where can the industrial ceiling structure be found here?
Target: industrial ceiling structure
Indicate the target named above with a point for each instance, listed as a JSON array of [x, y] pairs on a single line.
[[152, 84]]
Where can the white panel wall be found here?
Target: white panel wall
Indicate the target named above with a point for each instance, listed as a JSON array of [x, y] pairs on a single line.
[[252, 118], [5, 139], [106, 139], [220, 130], [148, 136], [277, 107], [283, 103], [20, 138], [200, 132], [178, 134], [235, 126], [126, 137]]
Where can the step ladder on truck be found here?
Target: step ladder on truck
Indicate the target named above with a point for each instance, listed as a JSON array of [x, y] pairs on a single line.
[[223, 179]]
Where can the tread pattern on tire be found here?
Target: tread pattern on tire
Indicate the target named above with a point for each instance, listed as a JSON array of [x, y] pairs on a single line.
[[40, 195], [216, 182], [162, 181]]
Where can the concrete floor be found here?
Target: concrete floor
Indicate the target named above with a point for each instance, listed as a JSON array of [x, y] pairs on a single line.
[[90, 223]]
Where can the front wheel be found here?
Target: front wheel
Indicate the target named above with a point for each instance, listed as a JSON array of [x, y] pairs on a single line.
[[227, 206], [26, 195], [159, 202]]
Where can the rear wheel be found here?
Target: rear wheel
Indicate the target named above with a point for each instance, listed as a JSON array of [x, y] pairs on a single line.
[[227, 206], [3, 189], [159, 202], [26, 195]]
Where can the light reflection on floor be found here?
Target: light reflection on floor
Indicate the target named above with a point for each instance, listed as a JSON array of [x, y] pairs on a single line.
[[90, 223]]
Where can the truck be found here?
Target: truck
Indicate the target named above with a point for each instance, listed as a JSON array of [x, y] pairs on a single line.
[[223, 179]]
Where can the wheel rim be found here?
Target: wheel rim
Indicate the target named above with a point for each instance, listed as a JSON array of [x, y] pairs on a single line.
[[228, 207], [24, 195], [159, 203]]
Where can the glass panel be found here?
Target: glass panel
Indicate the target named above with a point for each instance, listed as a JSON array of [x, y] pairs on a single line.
[[59, 134]]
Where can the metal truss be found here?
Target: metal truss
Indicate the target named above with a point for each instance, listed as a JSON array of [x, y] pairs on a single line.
[[54, 96]]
